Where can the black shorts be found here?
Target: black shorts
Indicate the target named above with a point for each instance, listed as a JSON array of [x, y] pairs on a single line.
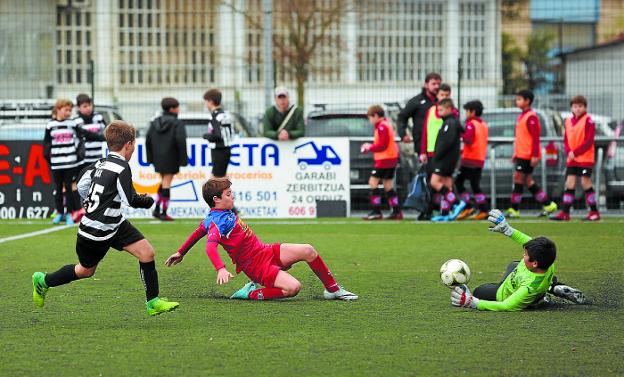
[[442, 170], [579, 171], [90, 252], [524, 166], [383, 173], [220, 161]]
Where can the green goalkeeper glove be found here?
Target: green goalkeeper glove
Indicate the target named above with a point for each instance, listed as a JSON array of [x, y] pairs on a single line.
[[499, 223], [461, 296]]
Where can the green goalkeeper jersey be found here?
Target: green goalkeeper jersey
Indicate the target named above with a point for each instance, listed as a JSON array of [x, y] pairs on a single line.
[[522, 287]]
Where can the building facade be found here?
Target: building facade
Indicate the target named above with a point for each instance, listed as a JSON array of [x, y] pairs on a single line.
[[143, 50]]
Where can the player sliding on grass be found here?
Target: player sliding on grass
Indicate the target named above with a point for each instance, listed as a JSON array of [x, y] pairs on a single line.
[[104, 185], [264, 264], [525, 283]]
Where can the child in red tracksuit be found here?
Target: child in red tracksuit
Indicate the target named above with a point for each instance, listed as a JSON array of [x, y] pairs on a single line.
[[578, 139], [472, 160], [386, 156]]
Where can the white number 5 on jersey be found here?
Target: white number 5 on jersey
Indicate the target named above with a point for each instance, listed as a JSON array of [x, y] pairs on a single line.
[[94, 197]]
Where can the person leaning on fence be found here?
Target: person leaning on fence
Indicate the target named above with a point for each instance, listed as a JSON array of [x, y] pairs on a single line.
[[220, 133], [527, 153], [578, 140], [64, 150], [475, 138], [284, 121], [416, 109], [386, 156], [165, 145]]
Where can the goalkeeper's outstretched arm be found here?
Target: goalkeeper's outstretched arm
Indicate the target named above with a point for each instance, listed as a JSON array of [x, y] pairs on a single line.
[[500, 224]]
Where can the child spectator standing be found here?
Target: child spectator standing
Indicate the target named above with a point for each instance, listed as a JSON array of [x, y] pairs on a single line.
[[527, 153], [472, 159], [165, 145], [386, 156], [219, 133], [92, 124], [64, 150], [444, 161], [578, 140]]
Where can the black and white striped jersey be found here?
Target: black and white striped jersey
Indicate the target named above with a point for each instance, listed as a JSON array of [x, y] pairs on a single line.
[[220, 130], [61, 143], [104, 186], [93, 125]]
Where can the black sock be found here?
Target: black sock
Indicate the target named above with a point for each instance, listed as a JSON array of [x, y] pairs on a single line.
[[149, 276], [393, 201], [590, 199], [166, 196], [539, 194], [63, 275], [567, 201], [516, 195], [159, 200]]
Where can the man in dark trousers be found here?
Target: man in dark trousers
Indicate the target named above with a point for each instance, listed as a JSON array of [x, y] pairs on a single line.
[[417, 108], [165, 144]]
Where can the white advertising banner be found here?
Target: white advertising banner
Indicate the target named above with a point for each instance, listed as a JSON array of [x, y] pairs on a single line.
[[270, 179]]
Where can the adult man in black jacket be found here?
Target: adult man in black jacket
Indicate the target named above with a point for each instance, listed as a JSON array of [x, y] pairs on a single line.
[[165, 144], [416, 108]]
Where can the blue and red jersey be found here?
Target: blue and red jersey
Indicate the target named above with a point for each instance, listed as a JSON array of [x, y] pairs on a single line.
[[225, 228]]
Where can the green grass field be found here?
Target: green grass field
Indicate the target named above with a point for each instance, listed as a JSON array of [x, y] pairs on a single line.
[[403, 324]]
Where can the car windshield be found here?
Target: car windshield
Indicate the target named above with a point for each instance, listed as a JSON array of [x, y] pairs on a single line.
[[504, 124], [22, 132], [195, 127], [339, 125]]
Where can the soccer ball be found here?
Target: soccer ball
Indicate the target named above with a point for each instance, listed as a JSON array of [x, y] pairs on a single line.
[[454, 272]]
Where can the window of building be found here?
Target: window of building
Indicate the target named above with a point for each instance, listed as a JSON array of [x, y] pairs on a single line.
[[73, 44]]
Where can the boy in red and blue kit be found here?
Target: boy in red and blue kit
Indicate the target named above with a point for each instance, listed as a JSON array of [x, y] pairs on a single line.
[[264, 264], [578, 140], [386, 156]]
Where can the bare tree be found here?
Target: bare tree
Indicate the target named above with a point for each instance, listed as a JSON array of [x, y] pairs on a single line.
[[300, 28]]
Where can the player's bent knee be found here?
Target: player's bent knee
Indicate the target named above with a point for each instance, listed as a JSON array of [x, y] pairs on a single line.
[[309, 252], [84, 272], [292, 289]]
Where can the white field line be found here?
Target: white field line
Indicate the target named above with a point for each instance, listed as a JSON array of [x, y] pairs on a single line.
[[36, 233]]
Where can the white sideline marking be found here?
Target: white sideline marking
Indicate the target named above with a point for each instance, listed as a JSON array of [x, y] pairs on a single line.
[[37, 233]]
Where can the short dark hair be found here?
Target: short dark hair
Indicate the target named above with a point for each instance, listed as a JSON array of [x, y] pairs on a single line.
[[433, 76], [213, 95], [447, 102], [526, 94], [376, 109], [169, 103], [214, 187], [83, 98], [118, 133], [444, 87], [475, 106], [542, 250], [579, 99]]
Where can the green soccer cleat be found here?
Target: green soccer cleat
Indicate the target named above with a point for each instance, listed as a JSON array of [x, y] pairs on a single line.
[[40, 288], [549, 209], [512, 213], [157, 305], [243, 293]]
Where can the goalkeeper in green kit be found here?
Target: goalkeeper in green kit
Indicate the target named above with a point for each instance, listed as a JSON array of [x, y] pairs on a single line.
[[525, 283]]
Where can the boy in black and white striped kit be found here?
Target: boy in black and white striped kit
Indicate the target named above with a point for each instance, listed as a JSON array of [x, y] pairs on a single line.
[[64, 149], [104, 186], [220, 133], [92, 124]]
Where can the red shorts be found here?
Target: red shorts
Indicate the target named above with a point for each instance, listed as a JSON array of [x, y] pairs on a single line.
[[265, 265]]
